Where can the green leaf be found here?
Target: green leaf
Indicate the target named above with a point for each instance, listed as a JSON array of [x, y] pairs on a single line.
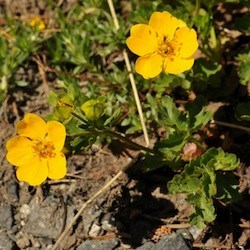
[[184, 184], [21, 83], [172, 146], [242, 112], [201, 181], [197, 116], [151, 163], [93, 109], [110, 119], [206, 68], [170, 116], [52, 98], [225, 161], [244, 68], [204, 210], [243, 23], [208, 179], [228, 187], [64, 108], [73, 127]]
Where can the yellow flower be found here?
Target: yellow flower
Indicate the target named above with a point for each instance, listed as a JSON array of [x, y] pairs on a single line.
[[37, 22], [164, 44], [36, 150]]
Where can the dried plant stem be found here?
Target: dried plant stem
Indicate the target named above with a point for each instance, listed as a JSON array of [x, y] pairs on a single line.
[[72, 222], [131, 76]]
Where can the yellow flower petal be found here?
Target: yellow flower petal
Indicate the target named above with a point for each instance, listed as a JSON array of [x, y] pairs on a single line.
[[177, 65], [56, 134], [35, 173], [149, 66], [57, 166], [187, 40], [142, 40], [20, 150], [32, 126], [164, 23]]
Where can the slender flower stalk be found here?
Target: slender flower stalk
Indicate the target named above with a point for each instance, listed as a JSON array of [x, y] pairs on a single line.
[[128, 141], [231, 125], [113, 134], [131, 77]]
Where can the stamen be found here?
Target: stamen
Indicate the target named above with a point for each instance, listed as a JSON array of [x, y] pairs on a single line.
[[165, 48], [44, 149]]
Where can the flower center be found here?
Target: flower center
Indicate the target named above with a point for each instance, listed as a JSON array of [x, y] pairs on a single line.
[[44, 149], [165, 48]]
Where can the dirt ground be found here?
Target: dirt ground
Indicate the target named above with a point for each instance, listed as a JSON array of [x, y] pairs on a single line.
[[135, 212]]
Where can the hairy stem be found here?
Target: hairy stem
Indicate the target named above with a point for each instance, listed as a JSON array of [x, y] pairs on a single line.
[[113, 134], [230, 125]]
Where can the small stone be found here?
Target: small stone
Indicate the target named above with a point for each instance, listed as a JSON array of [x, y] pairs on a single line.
[[185, 234], [11, 190], [6, 218], [170, 242], [46, 220], [23, 243], [106, 225], [5, 241], [36, 245], [98, 244], [25, 211], [148, 246], [95, 230], [175, 241], [195, 231]]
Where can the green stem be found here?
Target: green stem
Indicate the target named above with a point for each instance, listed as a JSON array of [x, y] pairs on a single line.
[[230, 125], [78, 117], [213, 38], [197, 7], [128, 141], [106, 132]]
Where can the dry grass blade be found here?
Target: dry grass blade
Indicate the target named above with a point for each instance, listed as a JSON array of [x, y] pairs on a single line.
[[85, 204], [131, 76]]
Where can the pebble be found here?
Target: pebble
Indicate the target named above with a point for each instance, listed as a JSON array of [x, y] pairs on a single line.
[[95, 230], [11, 190], [195, 232], [45, 220], [169, 242], [23, 243], [25, 211], [5, 241], [98, 244], [6, 219]]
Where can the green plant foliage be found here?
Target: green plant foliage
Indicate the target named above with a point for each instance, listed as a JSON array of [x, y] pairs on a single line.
[[201, 179], [242, 112], [179, 125], [93, 109], [244, 68], [92, 93], [17, 44]]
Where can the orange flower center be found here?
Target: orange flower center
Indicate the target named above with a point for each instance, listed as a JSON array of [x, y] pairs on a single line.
[[165, 48], [44, 149]]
